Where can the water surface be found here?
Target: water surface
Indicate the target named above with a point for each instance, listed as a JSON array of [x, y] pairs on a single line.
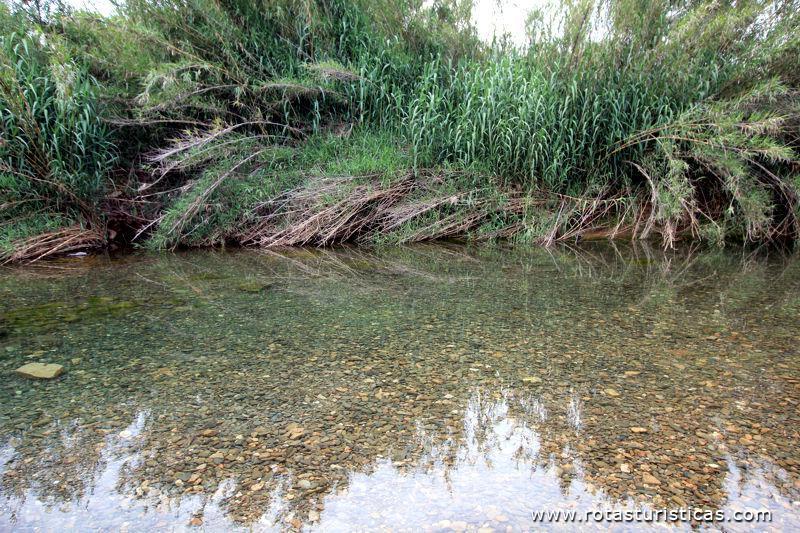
[[422, 388]]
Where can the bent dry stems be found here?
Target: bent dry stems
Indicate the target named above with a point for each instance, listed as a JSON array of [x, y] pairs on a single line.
[[673, 123]]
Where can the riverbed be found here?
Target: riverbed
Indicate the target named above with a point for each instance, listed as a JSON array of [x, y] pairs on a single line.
[[421, 388]]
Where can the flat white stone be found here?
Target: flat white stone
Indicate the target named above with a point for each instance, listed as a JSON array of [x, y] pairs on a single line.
[[40, 370]]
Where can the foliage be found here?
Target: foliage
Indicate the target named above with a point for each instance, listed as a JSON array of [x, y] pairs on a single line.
[[55, 151], [234, 120]]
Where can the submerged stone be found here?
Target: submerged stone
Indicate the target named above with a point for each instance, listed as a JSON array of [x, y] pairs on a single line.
[[649, 479], [254, 286], [40, 370], [329, 399]]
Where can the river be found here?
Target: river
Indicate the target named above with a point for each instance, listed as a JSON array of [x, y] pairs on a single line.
[[430, 387]]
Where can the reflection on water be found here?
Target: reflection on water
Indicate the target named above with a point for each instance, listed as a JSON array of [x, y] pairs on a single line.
[[421, 388]]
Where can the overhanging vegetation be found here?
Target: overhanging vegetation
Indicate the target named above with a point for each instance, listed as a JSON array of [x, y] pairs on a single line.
[[283, 122]]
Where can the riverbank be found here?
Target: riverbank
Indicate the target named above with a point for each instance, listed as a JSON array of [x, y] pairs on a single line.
[[370, 211], [176, 124]]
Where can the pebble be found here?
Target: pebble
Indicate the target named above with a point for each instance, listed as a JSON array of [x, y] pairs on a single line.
[[491, 412]]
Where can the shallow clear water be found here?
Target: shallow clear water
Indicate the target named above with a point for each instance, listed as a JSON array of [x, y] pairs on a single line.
[[420, 388]]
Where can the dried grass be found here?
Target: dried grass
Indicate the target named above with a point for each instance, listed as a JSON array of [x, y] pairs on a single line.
[[59, 242]]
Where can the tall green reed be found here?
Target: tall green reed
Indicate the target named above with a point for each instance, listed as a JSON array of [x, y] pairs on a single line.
[[56, 152]]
